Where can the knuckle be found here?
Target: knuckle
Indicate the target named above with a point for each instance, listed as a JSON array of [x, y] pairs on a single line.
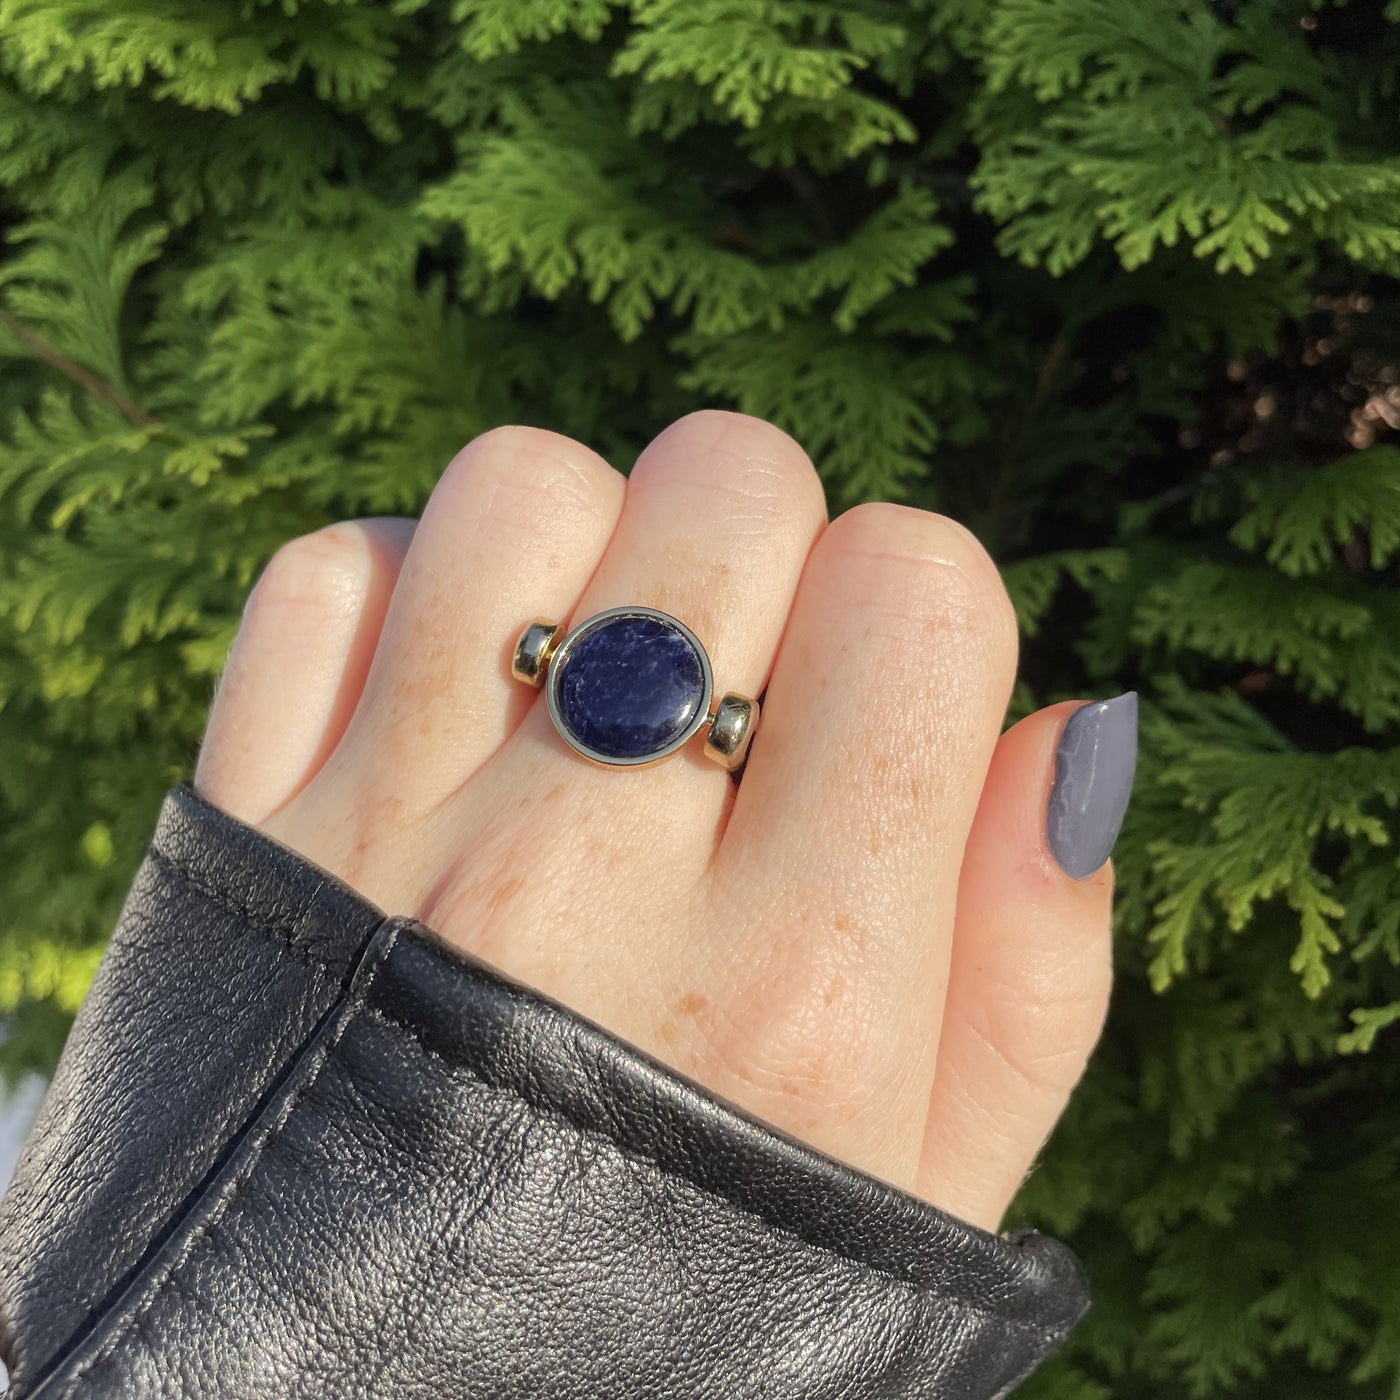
[[746, 462], [922, 567], [1041, 1036], [325, 570], [515, 471]]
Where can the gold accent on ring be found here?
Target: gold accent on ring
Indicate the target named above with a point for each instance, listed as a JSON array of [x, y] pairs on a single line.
[[533, 651], [731, 728]]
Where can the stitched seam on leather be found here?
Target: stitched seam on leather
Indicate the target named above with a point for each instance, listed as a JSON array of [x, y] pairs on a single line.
[[280, 928], [233, 1189], [199, 1238], [1054, 1335]]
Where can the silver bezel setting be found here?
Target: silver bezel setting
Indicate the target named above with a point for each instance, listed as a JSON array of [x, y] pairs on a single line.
[[556, 669]]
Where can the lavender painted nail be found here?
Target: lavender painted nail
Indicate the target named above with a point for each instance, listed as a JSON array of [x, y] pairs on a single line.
[[1094, 764]]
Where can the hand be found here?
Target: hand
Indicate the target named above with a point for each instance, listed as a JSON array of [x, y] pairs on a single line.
[[866, 942]]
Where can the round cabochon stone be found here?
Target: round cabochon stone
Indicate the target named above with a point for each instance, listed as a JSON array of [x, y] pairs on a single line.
[[630, 687]]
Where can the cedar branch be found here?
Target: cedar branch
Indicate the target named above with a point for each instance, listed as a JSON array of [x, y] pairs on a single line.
[[39, 347]]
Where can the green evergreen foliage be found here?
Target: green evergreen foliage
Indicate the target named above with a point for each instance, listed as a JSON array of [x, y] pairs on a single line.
[[1115, 283]]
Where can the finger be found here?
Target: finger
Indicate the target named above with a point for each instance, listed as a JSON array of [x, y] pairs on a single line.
[[840, 860], [721, 512], [514, 528], [1031, 967], [298, 664]]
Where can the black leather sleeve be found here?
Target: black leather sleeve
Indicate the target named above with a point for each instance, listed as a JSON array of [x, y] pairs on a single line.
[[297, 1148]]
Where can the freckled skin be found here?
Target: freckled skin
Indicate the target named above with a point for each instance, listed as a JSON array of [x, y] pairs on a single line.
[[866, 941]]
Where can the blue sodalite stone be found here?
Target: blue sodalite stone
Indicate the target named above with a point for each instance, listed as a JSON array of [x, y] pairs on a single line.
[[630, 687]]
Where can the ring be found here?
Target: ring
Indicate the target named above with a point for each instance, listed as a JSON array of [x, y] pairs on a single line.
[[629, 686]]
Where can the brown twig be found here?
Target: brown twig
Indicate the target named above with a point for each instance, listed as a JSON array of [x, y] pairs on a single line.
[[805, 188], [1019, 440], [85, 378], [1049, 370]]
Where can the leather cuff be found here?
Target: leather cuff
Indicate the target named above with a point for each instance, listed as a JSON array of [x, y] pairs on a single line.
[[297, 1148]]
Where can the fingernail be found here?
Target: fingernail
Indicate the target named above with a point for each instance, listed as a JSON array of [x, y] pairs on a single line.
[[1094, 764]]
